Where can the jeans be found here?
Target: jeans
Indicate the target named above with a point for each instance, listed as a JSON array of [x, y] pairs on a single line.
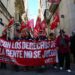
[[64, 60]]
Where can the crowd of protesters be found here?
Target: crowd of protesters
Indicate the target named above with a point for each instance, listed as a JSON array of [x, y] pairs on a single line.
[[65, 44]]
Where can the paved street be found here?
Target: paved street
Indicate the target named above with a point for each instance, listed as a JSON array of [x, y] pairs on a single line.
[[47, 71]]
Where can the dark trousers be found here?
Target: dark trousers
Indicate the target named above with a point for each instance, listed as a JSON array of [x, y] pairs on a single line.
[[16, 67], [3, 65], [73, 57], [64, 60]]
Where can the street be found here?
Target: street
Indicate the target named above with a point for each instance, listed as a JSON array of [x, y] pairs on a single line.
[[47, 71]]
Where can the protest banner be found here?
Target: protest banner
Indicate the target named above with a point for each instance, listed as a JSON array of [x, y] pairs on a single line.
[[28, 53]]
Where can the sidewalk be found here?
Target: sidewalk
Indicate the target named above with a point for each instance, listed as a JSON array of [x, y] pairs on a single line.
[[47, 71]]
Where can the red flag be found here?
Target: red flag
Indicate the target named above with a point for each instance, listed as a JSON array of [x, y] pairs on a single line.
[[11, 22], [55, 22], [43, 25], [36, 32], [30, 24], [53, 25], [38, 23], [38, 20], [56, 18], [37, 27], [23, 26]]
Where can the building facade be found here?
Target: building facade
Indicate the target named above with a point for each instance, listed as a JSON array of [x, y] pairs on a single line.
[[67, 15], [5, 13], [19, 9], [8, 9]]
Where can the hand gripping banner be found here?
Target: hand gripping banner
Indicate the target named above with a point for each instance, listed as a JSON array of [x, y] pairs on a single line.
[[28, 53]]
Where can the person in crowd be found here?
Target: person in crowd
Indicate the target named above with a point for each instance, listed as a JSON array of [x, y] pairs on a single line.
[[4, 37], [16, 38], [25, 35], [17, 34], [72, 44], [52, 37], [41, 36], [63, 45]]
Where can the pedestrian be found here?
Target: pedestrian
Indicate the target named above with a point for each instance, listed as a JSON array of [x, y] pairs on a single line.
[[63, 45], [72, 44]]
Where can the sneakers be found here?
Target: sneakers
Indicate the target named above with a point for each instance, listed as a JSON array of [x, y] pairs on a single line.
[[61, 68], [68, 70]]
